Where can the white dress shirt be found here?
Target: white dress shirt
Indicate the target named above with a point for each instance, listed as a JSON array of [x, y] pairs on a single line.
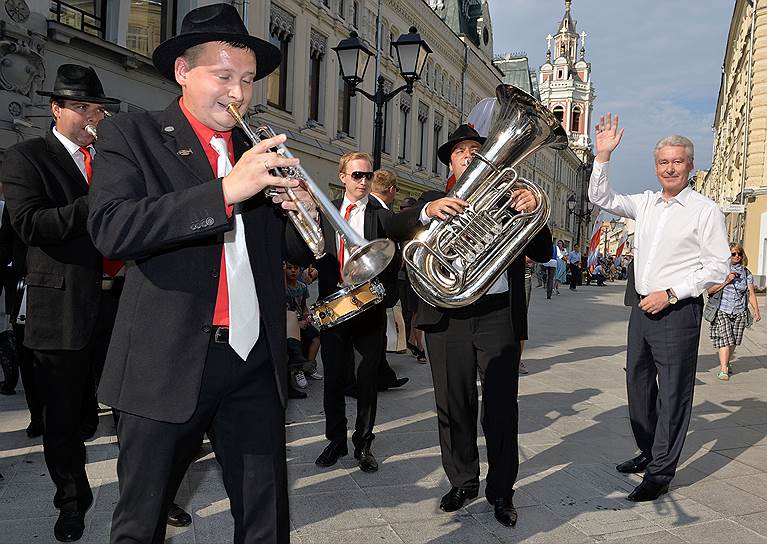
[[381, 202], [356, 220], [501, 285], [679, 244], [74, 151]]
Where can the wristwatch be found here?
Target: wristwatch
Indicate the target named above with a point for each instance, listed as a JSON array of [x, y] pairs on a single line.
[[671, 297]]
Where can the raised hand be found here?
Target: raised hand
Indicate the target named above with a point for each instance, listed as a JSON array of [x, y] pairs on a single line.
[[607, 137]]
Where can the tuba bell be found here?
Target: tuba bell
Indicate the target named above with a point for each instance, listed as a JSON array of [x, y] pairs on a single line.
[[455, 261]]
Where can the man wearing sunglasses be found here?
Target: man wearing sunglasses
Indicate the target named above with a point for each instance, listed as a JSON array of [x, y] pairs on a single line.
[[365, 332], [680, 250]]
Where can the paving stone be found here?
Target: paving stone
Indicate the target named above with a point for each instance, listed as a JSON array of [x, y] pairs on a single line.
[[756, 522], [717, 532], [334, 511], [756, 484], [599, 516], [454, 529], [723, 498], [535, 525], [309, 478], [378, 535], [672, 511]]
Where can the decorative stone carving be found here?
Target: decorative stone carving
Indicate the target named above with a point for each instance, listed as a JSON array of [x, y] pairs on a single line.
[[405, 102], [439, 121], [17, 10], [21, 67], [281, 23], [423, 112], [317, 45]]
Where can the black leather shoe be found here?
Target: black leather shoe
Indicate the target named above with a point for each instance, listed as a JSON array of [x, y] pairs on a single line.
[[178, 517], [367, 461], [294, 393], [637, 464], [647, 491], [505, 512], [331, 454], [34, 430], [398, 382], [69, 527], [455, 499]]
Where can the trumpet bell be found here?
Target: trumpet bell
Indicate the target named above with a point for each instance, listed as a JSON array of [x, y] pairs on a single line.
[[367, 261]]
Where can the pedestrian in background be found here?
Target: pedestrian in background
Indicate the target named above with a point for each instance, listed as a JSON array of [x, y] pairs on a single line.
[[560, 274], [574, 260], [732, 316]]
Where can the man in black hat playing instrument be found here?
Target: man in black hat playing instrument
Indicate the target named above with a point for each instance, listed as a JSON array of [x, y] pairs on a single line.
[[201, 344], [480, 338], [72, 295]]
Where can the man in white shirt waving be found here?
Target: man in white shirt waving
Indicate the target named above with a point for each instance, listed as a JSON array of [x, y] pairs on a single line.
[[680, 249]]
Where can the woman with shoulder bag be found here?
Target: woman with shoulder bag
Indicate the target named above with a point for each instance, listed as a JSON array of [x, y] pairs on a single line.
[[732, 316]]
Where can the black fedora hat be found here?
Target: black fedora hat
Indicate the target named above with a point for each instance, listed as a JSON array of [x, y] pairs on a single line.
[[461, 134], [214, 23], [75, 82]]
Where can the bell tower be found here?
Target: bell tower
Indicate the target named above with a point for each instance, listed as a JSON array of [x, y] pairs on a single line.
[[565, 82]]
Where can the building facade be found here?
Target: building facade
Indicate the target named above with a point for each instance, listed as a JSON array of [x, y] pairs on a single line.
[[736, 179], [305, 97]]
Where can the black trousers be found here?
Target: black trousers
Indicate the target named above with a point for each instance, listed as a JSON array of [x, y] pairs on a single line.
[[550, 273], [240, 410], [68, 398], [29, 378], [574, 273], [660, 377], [478, 339], [366, 333]]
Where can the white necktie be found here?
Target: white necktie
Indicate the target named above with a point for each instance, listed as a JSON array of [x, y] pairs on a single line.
[[244, 313]]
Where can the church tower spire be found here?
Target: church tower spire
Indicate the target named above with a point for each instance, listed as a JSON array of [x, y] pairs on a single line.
[[565, 82]]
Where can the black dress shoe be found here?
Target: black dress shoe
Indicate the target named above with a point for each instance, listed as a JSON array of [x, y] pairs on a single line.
[[178, 517], [398, 382], [69, 527], [637, 464], [647, 491], [455, 499], [34, 430], [505, 512], [331, 454], [367, 461], [351, 391], [294, 393]]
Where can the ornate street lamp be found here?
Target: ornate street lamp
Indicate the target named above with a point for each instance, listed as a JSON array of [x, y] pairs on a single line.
[[353, 58]]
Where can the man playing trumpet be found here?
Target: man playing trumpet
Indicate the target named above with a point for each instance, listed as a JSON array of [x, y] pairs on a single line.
[[199, 343]]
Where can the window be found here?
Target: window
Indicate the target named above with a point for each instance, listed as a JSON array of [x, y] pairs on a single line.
[[356, 14], [85, 15], [559, 113], [317, 47], [347, 109], [438, 121], [145, 23], [342, 9], [386, 136], [393, 37], [281, 30], [404, 118], [423, 116], [575, 126]]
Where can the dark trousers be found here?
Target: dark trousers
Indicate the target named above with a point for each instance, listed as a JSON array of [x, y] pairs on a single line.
[[29, 378], [68, 397], [550, 273], [366, 333], [574, 273], [478, 339], [660, 376], [240, 409]]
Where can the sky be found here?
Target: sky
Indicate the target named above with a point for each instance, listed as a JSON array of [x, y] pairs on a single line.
[[657, 63]]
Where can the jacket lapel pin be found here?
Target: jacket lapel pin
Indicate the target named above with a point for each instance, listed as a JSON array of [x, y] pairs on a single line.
[[168, 129], [184, 152]]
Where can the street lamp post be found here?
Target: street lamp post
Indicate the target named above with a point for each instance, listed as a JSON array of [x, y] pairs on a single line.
[[353, 58], [583, 213]]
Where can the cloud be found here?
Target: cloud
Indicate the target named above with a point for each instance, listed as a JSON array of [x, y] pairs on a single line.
[[657, 63]]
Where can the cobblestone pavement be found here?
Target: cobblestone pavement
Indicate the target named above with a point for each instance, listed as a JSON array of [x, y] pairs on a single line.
[[573, 429]]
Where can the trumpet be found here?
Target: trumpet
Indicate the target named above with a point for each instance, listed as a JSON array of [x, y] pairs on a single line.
[[366, 259], [91, 128]]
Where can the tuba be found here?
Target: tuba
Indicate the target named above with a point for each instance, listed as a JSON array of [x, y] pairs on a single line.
[[454, 262]]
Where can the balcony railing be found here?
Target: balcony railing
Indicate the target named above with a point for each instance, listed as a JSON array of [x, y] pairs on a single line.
[[82, 19]]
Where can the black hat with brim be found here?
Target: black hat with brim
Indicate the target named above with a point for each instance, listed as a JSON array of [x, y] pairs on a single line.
[[461, 134], [81, 83], [214, 23]]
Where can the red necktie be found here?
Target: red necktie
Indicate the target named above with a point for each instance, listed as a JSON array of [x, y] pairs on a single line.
[[349, 209], [111, 267], [88, 166]]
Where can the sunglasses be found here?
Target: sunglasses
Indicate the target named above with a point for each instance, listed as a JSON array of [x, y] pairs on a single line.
[[357, 175], [736, 254]]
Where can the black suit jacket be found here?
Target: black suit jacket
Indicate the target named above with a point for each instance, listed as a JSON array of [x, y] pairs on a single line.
[[156, 203], [47, 199], [539, 249], [379, 223]]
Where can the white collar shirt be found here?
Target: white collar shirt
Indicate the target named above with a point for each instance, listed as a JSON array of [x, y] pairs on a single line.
[[356, 220], [679, 244], [74, 151], [381, 202]]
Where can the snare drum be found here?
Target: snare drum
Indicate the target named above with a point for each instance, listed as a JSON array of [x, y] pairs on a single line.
[[345, 304]]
